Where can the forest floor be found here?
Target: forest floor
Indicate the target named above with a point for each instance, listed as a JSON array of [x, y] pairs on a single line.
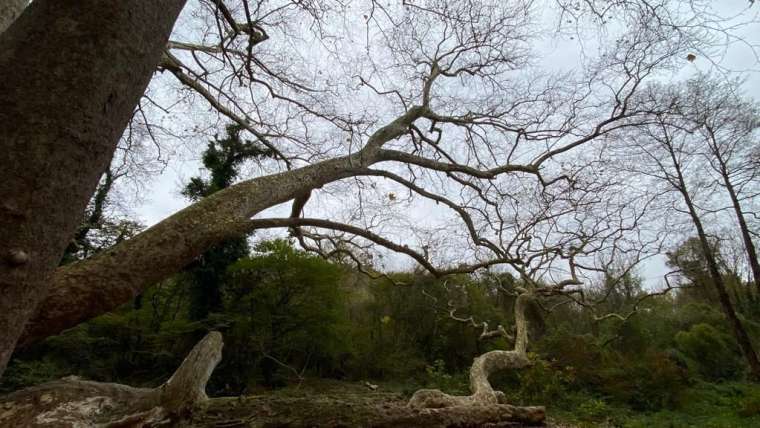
[[703, 405], [331, 403]]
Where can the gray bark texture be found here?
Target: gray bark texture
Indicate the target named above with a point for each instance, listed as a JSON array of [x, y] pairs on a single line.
[[97, 285], [9, 11], [71, 73]]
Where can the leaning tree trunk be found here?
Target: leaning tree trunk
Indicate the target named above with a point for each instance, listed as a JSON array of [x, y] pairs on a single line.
[[482, 368], [105, 281], [749, 246], [71, 73]]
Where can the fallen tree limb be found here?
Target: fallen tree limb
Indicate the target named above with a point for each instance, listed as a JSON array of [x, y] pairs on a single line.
[[71, 402], [356, 410], [182, 402]]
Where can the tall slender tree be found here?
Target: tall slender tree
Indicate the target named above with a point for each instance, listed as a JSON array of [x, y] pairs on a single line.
[[664, 151], [728, 125]]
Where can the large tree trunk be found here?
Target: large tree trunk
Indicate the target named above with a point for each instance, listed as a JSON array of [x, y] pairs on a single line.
[[92, 287], [71, 73], [368, 410], [482, 368]]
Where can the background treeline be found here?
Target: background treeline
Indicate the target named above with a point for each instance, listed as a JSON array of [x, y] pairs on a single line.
[[287, 315]]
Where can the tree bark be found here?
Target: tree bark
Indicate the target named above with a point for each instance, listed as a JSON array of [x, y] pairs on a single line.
[[97, 285], [482, 368], [376, 410], [9, 11], [71, 73]]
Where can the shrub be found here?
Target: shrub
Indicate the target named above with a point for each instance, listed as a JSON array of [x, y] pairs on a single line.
[[439, 378], [21, 374], [749, 406], [592, 410], [714, 354], [543, 383], [650, 382]]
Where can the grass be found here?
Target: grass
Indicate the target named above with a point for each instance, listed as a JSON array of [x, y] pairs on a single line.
[[708, 405], [704, 405]]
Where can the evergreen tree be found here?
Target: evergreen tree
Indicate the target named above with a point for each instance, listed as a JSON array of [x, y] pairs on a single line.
[[223, 158]]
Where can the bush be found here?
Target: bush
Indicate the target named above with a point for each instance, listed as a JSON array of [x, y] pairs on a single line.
[[749, 406], [576, 354], [542, 383], [650, 382], [21, 374], [714, 354], [593, 410], [439, 378]]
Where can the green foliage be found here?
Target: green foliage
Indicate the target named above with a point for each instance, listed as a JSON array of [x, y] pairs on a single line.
[[593, 410], [714, 353], [223, 158], [578, 354], [750, 405], [651, 381], [543, 382], [287, 315], [439, 378], [284, 308], [206, 276], [21, 373]]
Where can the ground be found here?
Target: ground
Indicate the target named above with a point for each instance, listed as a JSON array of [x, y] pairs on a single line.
[[726, 405], [330, 403]]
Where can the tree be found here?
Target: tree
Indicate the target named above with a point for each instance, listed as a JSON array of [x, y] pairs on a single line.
[[689, 261], [533, 114], [449, 118], [285, 306], [9, 11], [57, 138], [665, 153], [223, 158], [728, 126], [98, 231]]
